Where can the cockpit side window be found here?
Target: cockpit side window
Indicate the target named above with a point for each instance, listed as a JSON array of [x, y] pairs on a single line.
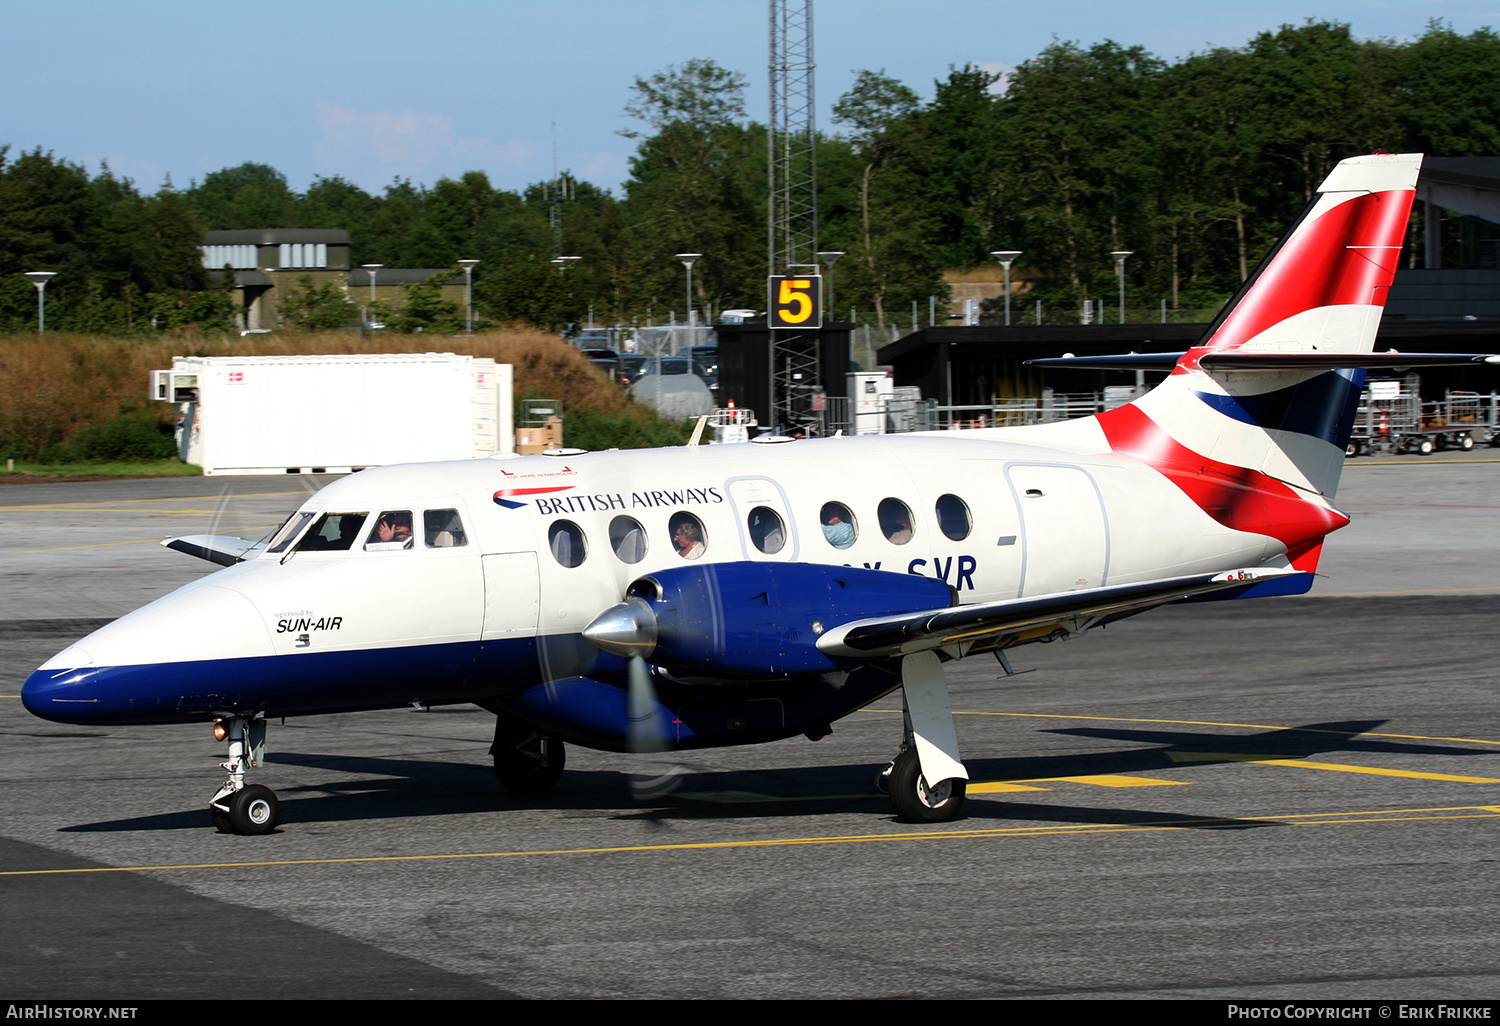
[[334, 532], [289, 530], [442, 529], [392, 532]]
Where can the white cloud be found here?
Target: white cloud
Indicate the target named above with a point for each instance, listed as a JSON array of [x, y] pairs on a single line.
[[379, 146]]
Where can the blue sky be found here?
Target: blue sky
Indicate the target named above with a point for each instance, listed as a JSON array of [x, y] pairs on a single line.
[[380, 89]]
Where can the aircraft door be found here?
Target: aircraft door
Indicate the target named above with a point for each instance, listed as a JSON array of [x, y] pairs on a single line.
[[1064, 532], [511, 595], [763, 518], [512, 603]]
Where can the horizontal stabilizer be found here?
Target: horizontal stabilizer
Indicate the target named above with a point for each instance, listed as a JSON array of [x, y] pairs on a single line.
[[1123, 361], [223, 549], [1240, 359], [1070, 610]]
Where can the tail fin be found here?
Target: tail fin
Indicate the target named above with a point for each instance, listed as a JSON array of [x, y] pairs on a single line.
[[1321, 290], [1243, 424]]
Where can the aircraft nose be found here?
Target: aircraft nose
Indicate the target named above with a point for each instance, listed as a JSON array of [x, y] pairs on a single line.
[[51, 693], [173, 660]]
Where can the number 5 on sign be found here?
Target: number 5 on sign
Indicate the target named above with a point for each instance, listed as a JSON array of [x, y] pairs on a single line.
[[796, 302]]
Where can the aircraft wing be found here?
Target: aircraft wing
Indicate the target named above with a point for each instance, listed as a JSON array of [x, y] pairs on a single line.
[[223, 549], [1071, 610]]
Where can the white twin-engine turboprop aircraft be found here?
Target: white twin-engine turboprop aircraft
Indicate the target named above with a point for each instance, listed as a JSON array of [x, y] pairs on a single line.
[[735, 594]]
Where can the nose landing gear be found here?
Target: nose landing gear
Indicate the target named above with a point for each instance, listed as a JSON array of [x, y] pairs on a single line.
[[239, 808]]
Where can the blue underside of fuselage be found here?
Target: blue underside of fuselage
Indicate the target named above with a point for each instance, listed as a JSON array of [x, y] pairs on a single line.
[[590, 709]]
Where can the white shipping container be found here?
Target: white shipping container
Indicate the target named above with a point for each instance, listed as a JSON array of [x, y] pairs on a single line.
[[335, 414]]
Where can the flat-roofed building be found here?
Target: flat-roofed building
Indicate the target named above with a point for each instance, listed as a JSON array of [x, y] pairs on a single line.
[[268, 262]]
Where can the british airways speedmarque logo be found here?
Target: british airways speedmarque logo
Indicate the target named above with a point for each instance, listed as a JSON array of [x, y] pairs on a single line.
[[506, 496]]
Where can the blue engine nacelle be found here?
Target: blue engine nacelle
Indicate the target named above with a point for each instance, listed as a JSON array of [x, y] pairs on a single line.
[[754, 619]]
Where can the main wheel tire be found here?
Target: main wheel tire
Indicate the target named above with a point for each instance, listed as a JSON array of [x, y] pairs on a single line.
[[531, 766], [916, 802], [254, 810]]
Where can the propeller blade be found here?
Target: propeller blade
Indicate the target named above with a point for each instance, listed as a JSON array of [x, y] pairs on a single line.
[[648, 733]]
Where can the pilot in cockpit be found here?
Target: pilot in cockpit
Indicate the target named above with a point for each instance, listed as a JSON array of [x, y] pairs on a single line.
[[392, 531]]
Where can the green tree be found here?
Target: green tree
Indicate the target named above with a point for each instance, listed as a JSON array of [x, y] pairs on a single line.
[[324, 307], [697, 185], [247, 196], [425, 309], [880, 109]]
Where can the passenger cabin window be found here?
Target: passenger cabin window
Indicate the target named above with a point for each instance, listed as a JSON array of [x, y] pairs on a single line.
[[895, 521], [334, 532], [766, 530], [838, 525], [567, 543], [289, 530], [391, 533], [687, 535], [442, 529], [628, 539], [953, 517]]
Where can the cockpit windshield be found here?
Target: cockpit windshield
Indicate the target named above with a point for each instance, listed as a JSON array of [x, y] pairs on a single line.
[[289, 530], [334, 532]]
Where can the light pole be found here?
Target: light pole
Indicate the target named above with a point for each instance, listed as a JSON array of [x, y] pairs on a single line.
[[562, 264], [688, 260], [829, 258], [40, 280], [468, 266], [1006, 258], [1120, 255], [371, 268]]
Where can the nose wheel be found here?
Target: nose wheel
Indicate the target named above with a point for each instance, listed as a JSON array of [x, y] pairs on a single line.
[[240, 808]]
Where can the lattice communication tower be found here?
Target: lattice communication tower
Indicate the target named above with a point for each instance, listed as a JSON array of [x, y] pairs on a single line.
[[792, 215]]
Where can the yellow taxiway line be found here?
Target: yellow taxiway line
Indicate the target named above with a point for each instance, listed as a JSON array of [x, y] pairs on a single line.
[[1340, 767], [1295, 819]]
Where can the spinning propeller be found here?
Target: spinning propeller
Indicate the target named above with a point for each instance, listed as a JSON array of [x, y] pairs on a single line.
[[629, 630]]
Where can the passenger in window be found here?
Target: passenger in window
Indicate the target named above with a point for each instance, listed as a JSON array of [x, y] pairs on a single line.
[[392, 531], [687, 536], [895, 521], [838, 525]]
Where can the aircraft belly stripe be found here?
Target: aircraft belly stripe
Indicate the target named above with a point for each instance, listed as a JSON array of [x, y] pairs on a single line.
[[280, 685]]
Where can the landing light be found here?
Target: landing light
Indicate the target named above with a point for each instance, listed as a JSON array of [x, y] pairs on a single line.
[[221, 731]]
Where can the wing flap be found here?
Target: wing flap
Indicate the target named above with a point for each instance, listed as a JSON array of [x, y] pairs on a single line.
[[936, 628]]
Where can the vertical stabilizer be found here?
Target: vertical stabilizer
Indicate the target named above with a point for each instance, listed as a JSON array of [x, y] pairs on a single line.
[[1322, 289]]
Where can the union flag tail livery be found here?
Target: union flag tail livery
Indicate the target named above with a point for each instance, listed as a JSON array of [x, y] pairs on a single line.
[[1321, 290], [1254, 420]]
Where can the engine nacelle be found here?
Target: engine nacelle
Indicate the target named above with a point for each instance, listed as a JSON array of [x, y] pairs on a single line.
[[754, 619]]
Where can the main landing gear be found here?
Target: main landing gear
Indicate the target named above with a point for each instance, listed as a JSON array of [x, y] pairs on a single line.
[[239, 808], [526, 762], [929, 748]]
